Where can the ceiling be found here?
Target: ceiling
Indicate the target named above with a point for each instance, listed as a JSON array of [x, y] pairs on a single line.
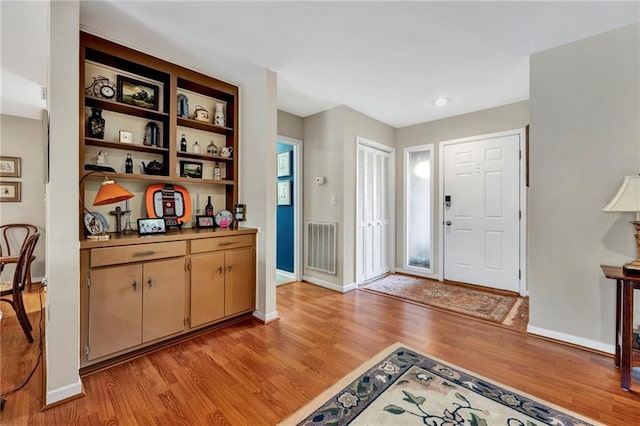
[[388, 60]]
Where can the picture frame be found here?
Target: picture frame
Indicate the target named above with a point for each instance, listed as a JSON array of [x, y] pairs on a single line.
[[150, 226], [10, 192], [205, 222], [192, 169], [10, 166], [125, 136], [284, 164], [284, 193], [137, 93]]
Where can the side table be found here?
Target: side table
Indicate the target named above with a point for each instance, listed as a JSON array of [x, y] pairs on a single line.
[[626, 355]]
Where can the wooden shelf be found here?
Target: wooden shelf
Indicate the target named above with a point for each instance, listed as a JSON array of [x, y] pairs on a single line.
[[201, 125], [207, 157], [125, 108], [125, 146], [156, 178]]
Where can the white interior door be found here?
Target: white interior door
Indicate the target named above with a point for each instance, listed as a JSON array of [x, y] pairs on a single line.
[[373, 216], [482, 212]]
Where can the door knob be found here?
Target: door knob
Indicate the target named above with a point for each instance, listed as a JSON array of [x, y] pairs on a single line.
[[448, 223]]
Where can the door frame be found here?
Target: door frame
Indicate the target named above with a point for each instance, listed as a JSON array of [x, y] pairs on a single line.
[[297, 203], [523, 163], [392, 204]]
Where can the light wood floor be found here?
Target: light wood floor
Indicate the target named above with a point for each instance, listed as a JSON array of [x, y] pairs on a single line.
[[254, 374]]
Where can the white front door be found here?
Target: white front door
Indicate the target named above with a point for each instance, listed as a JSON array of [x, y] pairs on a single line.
[[482, 212], [373, 215]]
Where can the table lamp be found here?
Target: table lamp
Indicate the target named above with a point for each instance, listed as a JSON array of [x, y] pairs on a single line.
[[108, 193], [627, 199]]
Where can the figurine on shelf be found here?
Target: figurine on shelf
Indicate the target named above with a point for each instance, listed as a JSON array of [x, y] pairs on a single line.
[[183, 106], [212, 149], [101, 158], [218, 116], [196, 148]]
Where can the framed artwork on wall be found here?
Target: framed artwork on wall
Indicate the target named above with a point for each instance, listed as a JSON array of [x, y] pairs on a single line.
[[284, 193], [284, 164], [10, 191], [10, 167]]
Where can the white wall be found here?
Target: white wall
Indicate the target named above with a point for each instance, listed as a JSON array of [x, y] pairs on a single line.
[[22, 137], [585, 136], [507, 117], [63, 264], [290, 125]]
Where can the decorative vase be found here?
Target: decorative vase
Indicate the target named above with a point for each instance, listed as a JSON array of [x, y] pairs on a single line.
[[96, 124], [218, 116]]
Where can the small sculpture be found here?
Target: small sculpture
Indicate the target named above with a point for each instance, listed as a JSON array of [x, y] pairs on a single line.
[[101, 159]]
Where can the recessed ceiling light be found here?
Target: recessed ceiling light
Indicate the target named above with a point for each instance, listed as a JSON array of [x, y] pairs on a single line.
[[441, 102]]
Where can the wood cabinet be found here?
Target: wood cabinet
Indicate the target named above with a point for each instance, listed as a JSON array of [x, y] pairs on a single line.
[[140, 292], [222, 281]]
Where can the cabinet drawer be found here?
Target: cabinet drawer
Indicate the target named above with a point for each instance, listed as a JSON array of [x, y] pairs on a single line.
[[221, 243], [137, 253]]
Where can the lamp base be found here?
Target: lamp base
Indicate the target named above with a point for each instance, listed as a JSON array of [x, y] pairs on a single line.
[[632, 268], [105, 237]]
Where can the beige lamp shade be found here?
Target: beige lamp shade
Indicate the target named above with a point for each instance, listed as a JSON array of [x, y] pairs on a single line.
[[110, 192], [627, 199]]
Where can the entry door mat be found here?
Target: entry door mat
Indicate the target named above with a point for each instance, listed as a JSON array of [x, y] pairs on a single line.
[[401, 386], [485, 305]]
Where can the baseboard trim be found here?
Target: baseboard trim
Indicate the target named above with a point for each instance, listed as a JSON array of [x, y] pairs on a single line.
[[331, 286], [574, 340], [266, 318], [64, 393]]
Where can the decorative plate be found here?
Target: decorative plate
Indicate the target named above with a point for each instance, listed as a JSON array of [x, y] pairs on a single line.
[[95, 223], [224, 218]]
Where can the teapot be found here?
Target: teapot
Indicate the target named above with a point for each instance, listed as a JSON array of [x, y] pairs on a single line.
[[153, 168], [201, 114], [226, 151]]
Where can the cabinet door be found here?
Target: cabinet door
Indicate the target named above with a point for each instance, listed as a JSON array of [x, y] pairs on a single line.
[[239, 281], [164, 297], [207, 288], [115, 309]]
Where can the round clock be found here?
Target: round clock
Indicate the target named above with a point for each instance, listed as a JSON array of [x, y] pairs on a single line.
[[224, 218], [103, 88]]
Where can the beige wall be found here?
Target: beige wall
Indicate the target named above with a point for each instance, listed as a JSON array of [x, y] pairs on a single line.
[[22, 137], [585, 136], [507, 117], [290, 125]]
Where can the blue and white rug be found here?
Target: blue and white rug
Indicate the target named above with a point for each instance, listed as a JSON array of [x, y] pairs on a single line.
[[401, 386]]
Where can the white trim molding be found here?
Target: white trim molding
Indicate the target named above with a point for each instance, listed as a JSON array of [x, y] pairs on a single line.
[[65, 392], [574, 340], [271, 316], [419, 274], [331, 286]]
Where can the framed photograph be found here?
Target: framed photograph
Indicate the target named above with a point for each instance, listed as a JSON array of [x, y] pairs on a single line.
[[125, 136], [137, 93], [204, 222], [284, 164], [10, 167], [191, 169], [10, 191], [284, 193], [149, 226]]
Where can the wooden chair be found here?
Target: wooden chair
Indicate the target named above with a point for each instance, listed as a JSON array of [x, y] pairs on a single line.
[[14, 237], [15, 288]]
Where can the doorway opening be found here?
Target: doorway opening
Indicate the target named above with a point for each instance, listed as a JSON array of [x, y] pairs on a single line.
[[288, 210]]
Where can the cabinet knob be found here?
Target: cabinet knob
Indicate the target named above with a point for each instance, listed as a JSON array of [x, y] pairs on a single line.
[[229, 268], [135, 285], [150, 282], [220, 268]]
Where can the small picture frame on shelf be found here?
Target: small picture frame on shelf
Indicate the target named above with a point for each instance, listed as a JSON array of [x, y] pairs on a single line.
[[137, 93], [10, 192], [191, 169], [204, 222], [125, 136], [149, 226], [10, 167]]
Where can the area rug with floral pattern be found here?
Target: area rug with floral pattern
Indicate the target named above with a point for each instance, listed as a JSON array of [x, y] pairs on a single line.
[[494, 307], [401, 386]]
